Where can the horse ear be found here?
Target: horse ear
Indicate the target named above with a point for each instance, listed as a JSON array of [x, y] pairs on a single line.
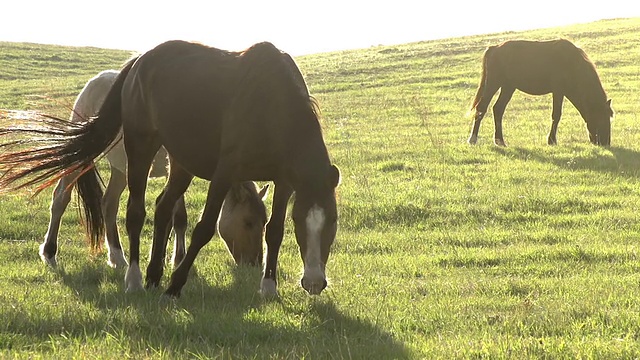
[[263, 192], [334, 176]]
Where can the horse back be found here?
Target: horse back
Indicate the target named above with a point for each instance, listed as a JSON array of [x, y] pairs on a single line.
[[535, 67]]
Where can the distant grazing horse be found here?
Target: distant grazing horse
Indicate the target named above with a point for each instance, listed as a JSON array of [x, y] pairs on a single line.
[[243, 215], [537, 68], [222, 116]]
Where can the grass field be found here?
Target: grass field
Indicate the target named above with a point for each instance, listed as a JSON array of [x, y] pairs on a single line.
[[444, 250]]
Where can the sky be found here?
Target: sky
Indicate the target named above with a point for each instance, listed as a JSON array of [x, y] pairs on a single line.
[[298, 27]]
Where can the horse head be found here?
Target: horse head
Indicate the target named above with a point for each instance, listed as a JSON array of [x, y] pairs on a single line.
[[315, 218], [242, 222], [599, 123]]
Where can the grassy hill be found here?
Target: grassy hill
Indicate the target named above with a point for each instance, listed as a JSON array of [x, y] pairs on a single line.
[[444, 250]]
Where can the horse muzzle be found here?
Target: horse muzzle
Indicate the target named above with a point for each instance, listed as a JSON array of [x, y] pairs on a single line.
[[313, 287]]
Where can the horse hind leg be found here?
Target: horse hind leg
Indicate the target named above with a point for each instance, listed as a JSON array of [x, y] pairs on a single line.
[[140, 152], [480, 110], [61, 198], [498, 112], [110, 205]]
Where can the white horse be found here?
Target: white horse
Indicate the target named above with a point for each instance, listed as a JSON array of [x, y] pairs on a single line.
[[243, 203]]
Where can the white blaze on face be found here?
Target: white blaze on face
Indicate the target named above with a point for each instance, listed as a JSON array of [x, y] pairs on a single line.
[[313, 267]]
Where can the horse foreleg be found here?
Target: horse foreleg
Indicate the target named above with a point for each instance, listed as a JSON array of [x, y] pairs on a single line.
[[59, 202], [498, 112], [274, 235], [202, 233], [177, 184], [110, 205], [555, 118]]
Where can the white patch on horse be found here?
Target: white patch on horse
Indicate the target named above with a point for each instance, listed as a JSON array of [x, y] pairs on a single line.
[[133, 278], [314, 278], [51, 261], [116, 258]]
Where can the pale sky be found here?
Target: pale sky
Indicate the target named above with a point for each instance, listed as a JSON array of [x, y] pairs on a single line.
[[296, 26]]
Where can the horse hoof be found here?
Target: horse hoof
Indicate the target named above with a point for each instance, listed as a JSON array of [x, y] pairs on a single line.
[[166, 298], [268, 288], [499, 142], [152, 284], [133, 289], [115, 257], [172, 293], [133, 279], [117, 260], [472, 140], [49, 260]]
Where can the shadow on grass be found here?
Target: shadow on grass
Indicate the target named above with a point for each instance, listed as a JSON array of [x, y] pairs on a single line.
[[624, 162], [209, 321]]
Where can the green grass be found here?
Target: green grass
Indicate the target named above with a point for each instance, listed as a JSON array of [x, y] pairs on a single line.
[[444, 250]]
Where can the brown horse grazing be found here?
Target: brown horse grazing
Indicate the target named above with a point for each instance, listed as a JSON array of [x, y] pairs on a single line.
[[537, 68], [243, 214], [223, 116]]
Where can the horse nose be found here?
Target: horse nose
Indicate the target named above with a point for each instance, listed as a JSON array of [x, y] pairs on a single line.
[[313, 288]]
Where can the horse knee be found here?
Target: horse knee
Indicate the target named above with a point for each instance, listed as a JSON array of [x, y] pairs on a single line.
[[202, 234]]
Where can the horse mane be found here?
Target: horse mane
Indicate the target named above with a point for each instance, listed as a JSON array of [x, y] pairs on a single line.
[[592, 82]]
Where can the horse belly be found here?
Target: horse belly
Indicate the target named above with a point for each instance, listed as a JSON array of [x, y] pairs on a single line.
[[194, 147]]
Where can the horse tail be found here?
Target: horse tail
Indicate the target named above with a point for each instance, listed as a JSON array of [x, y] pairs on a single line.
[[483, 81], [57, 148]]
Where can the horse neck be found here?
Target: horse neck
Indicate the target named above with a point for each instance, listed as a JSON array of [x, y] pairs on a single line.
[[588, 93], [311, 162]]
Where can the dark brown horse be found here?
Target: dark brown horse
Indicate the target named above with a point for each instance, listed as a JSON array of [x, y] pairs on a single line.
[[223, 116], [541, 67]]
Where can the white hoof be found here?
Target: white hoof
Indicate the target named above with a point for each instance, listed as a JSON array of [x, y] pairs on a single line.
[[133, 279], [116, 258], [268, 288], [51, 261]]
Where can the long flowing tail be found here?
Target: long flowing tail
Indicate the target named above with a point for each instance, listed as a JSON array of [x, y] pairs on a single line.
[[48, 148], [480, 92]]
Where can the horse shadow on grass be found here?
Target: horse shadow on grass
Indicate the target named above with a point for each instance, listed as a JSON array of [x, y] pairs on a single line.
[[211, 320], [616, 161]]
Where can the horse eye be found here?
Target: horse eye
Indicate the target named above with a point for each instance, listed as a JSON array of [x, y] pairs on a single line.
[[248, 224]]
